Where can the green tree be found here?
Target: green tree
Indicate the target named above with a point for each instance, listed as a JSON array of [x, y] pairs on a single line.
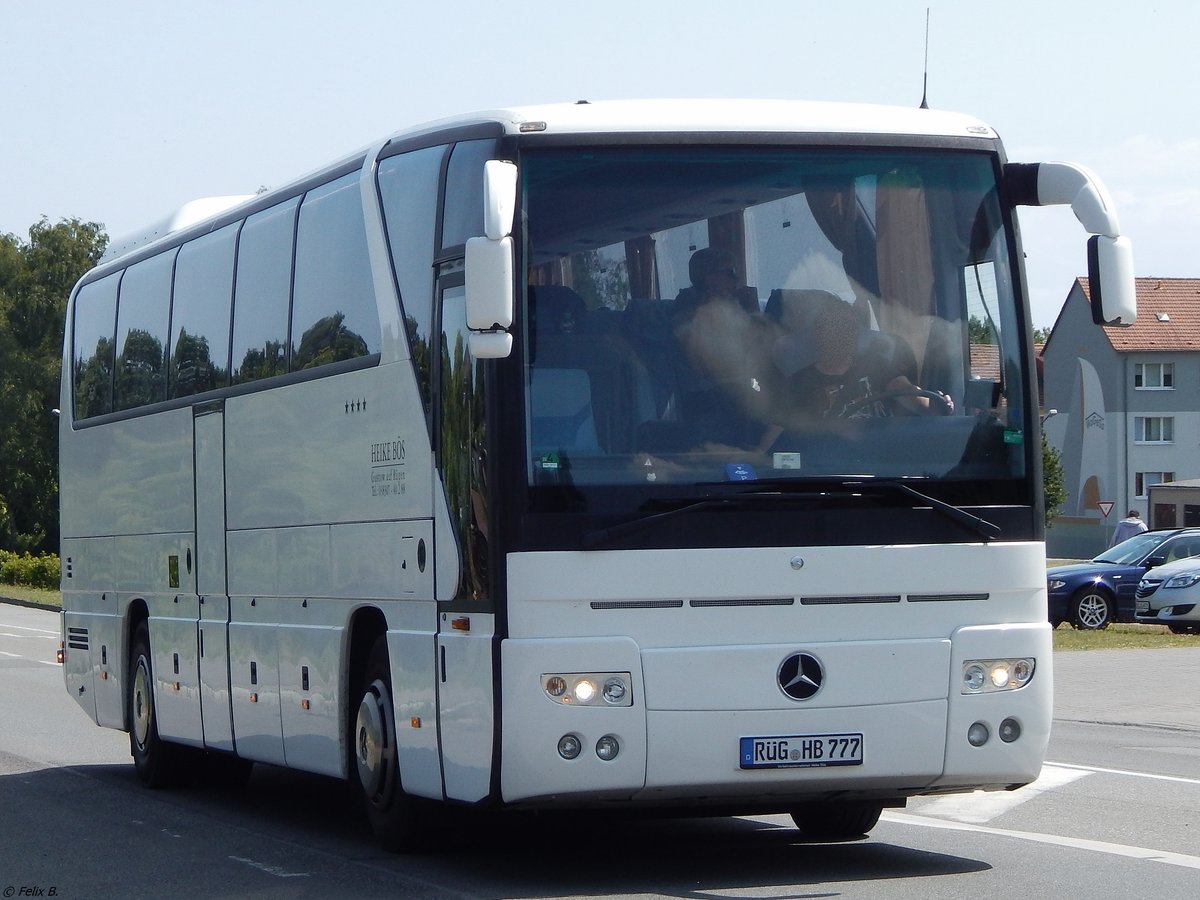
[[36, 276], [1053, 483]]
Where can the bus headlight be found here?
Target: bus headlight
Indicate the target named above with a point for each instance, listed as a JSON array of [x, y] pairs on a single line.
[[982, 676], [589, 688]]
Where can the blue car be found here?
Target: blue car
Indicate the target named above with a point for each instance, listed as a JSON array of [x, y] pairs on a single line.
[[1090, 595]]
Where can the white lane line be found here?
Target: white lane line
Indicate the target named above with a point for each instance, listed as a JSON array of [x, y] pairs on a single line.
[[277, 871], [25, 628], [44, 662], [1179, 779], [1161, 856], [979, 807]]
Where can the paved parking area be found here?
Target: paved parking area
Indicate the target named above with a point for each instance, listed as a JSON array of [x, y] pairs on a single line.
[[1144, 687]]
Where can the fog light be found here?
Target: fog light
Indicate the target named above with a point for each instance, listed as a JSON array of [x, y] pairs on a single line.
[[1009, 730], [977, 735], [608, 747], [569, 746]]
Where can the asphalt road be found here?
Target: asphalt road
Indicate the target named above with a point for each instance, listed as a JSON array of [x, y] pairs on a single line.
[[1115, 814]]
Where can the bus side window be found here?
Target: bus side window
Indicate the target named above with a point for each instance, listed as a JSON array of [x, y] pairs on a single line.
[[334, 317], [143, 308], [200, 316], [93, 354], [262, 293], [462, 450], [462, 215], [408, 187]]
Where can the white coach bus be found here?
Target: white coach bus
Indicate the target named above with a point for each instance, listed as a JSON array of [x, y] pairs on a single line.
[[527, 459]]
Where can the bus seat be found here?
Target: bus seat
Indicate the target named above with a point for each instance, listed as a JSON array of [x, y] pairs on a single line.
[[562, 404]]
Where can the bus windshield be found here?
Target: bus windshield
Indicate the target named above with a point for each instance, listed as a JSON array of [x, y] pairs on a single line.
[[702, 314]]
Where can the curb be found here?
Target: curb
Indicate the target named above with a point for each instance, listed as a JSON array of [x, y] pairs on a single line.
[[29, 604]]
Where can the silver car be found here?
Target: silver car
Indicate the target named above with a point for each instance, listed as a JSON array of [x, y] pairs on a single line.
[[1170, 595]]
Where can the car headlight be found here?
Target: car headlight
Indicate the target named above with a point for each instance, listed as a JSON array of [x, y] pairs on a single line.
[[589, 688], [1182, 580], [1056, 585], [983, 676]]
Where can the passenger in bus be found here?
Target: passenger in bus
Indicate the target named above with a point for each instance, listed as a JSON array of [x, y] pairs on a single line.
[[847, 382], [725, 377]]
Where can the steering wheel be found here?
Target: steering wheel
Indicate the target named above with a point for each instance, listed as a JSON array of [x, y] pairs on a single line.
[[850, 408]]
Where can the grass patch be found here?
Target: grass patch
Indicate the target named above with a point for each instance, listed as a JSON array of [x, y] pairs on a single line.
[[1121, 637], [31, 595]]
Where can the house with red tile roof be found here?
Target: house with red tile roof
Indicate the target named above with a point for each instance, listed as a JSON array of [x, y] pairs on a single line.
[[1128, 408]]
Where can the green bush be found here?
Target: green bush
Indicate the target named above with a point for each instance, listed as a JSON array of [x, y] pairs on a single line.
[[42, 571]]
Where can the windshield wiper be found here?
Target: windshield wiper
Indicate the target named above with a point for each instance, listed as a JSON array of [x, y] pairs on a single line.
[[775, 491], [602, 536], [982, 527]]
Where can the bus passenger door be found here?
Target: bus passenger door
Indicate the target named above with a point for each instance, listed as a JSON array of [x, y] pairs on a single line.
[[209, 424], [466, 620]]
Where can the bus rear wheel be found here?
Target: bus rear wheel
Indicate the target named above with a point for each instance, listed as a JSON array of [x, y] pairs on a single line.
[[391, 812], [156, 761], [831, 821]]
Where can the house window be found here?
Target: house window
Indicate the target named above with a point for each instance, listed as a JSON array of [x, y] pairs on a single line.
[[1154, 429], [1143, 480], [1154, 376]]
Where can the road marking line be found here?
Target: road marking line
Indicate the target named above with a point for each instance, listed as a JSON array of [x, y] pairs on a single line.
[[1162, 856], [24, 628], [269, 869], [1176, 778], [979, 807], [44, 662]]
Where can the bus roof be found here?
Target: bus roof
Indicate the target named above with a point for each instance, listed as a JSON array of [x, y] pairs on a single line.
[[721, 116], [665, 116]]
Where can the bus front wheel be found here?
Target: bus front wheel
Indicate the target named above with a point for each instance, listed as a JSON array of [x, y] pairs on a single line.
[[156, 761], [390, 811], [836, 820]]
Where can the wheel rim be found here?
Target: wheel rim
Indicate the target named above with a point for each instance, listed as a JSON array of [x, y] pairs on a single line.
[[374, 750], [1093, 611], [141, 702]]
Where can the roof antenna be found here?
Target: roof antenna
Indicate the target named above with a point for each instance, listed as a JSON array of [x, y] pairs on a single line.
[[925, 74]]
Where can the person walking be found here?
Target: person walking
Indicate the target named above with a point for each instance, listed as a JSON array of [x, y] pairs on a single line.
[[1129, 526]]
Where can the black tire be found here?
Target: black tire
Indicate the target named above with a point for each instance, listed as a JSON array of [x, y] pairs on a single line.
[[1184, 629], [155, 760], [374, 768], [834, 820], [1091, 609]]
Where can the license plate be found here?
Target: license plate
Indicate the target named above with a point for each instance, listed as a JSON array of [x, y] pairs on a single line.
[[801, 750], [1141, 606]]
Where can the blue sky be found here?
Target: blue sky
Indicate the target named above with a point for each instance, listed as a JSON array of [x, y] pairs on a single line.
[[120, 112]]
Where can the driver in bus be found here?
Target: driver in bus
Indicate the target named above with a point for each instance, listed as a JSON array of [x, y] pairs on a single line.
[[845, 382], [725, 374]]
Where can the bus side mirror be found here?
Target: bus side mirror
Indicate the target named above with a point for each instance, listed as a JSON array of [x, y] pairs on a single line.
[[489, 265], [1111, 282], [1111, 285]]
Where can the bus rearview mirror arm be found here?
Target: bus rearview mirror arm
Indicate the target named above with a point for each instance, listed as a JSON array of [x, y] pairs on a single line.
[[1111, 284], [490, 264]]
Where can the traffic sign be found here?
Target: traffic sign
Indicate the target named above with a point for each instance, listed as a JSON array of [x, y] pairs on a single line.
[[1106, 506]]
